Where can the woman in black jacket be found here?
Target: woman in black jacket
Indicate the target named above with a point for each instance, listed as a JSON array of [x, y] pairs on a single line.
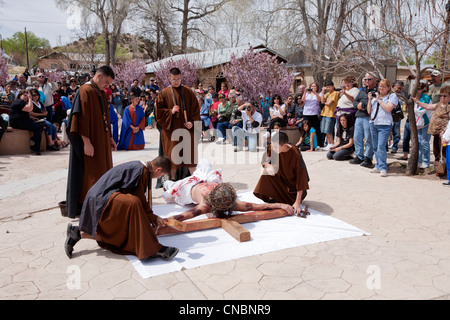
[[19, 118]]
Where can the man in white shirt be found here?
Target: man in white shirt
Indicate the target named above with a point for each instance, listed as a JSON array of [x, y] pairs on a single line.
[[251, 121]]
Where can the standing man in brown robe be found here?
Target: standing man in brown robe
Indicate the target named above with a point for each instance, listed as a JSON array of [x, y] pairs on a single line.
[[285, 178], [89, 132], [177, 108]]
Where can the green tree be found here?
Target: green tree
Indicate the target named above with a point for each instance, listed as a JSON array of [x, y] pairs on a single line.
[[15, 46]]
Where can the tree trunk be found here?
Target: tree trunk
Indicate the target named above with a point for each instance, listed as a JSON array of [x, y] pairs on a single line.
[[184, 27], [411, 169]]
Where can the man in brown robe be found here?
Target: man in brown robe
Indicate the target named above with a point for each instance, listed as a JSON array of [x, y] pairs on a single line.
[[117, 214], [89, 131], [285, 178], [177, 108]]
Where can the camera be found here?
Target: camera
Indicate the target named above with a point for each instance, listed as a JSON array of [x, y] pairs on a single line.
[[373, 91], [249, 108], [309, 90]]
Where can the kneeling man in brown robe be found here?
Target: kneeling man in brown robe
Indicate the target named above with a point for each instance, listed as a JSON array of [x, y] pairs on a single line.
[[285, 177], [117, 214]]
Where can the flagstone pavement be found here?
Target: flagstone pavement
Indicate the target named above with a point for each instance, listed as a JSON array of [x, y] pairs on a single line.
[[406, 255]]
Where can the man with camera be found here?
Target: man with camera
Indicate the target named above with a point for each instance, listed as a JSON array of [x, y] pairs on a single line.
[[361, 130], [251, 126]]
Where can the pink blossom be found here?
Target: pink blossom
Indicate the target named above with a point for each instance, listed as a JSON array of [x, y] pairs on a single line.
[[128, 71], [258, 75], [189, 72]]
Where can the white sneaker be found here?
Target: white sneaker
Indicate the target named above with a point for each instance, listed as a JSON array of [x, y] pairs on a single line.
[[383, 173], [375, 170], [327, 148], [220, 140], [266, 135], [424, 166]]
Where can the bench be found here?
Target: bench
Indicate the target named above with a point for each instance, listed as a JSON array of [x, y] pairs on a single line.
[[16, 141], [292, 132]]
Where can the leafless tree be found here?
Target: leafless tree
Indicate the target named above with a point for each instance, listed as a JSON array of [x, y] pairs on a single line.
[[156, 23], [402, 31], [191, 11], [111, 15]]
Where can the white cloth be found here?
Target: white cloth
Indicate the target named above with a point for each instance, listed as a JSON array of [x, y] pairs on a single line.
[[446, 135], [206, 247], [179, 192]]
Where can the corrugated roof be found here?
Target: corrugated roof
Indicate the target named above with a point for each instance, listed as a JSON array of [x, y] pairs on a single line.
[[208, 59]]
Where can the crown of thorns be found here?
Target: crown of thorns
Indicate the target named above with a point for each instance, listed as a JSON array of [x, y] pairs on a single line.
[[221, 199]]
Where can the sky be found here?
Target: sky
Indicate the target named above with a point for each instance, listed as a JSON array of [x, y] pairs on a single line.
[[39, 16]]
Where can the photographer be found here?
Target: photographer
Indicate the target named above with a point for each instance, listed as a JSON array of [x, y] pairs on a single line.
[[251, 126], [362, 129], [47, 88]]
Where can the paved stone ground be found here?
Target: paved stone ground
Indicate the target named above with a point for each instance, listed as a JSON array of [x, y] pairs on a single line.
[[407, 255]]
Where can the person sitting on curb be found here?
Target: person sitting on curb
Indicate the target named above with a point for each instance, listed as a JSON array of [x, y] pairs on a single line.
[[344, 146]]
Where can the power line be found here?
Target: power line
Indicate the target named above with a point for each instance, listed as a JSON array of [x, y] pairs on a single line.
[[32, 21]]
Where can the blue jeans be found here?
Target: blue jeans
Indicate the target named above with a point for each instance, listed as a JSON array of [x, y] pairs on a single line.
[[362, 131], [447, 153], [424, 145], [406, 137], [396, 135], [239, 135], [380, 136], [221, 129]]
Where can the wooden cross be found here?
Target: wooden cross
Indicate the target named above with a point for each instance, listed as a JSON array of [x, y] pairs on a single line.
[[231, 225]]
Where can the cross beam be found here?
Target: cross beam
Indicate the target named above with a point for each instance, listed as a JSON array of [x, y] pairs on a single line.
[[231, 225]]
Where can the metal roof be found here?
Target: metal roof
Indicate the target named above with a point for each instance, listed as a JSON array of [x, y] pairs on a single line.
[[208, 59]]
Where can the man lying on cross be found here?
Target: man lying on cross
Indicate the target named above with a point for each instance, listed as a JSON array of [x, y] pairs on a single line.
[[211, 196]]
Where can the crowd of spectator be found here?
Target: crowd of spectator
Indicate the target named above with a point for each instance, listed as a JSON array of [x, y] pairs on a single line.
[[349, 122]]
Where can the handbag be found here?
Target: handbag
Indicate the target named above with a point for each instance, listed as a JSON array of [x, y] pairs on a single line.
[[441, 167]]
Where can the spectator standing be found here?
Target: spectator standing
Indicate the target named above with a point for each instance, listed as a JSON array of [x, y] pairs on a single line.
[[381, 122], [348, 93], [224, 89], [398, 89], [311, 108], [47, 88], [439, 119], [116, 99], [134, 89], [330, 99], [423, 117], [72, 89], [152, 85], [362, 133]]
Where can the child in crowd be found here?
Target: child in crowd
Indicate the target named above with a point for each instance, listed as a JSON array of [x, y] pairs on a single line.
[[308, 138]]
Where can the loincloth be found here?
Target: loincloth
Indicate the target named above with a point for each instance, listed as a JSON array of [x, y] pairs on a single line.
[[179, 192]]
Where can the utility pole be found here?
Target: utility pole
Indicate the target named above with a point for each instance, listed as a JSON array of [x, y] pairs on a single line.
[[26, 48]]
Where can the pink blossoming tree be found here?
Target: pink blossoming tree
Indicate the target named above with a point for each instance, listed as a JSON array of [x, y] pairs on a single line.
[[189, 72], [258, 75], [128, 71], [4, 68]]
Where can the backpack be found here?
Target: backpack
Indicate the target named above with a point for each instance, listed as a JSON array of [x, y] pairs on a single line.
[[397, 113]]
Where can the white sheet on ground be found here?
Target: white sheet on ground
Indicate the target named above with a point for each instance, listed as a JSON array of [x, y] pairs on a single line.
[[216, 245]]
